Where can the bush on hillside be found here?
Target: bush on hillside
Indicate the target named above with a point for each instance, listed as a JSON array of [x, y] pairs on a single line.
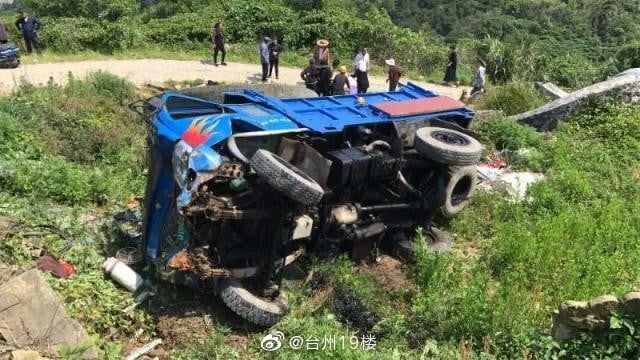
[[513, 98], [109, 10], [570, 71]]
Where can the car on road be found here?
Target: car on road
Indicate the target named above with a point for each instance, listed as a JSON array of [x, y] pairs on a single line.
[[241, 188]]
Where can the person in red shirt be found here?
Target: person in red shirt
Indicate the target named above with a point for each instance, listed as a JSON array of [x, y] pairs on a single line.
[[394, 74]]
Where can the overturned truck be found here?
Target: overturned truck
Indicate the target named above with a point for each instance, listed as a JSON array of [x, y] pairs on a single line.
[[239, 189]]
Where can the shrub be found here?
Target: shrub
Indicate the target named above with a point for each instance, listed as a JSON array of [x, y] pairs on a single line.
[[571, 71], [628, 56], [513, 98], [507, 134]]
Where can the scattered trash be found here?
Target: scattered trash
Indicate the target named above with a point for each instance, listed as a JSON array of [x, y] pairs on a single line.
[[123, 274], [58, 267], [131, 256], [129, 223], [33, 317], [516, 184], [139, 300], [496, 175], [144, 349]]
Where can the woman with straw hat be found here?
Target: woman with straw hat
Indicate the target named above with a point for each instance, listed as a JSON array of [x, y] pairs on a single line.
[[321, 54]]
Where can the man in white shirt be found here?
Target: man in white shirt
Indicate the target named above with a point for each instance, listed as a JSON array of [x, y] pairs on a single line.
[[361, 65], [479, 80]]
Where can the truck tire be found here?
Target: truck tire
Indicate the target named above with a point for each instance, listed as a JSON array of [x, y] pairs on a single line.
[[286, 178], [250, 307], [461, 185], [436, 241], [447, 146]]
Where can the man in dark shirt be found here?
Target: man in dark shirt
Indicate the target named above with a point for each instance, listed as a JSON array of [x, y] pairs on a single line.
[[29, 27], [340, 81], [274, 55], [310, 76], [217, 40], [394, 74]]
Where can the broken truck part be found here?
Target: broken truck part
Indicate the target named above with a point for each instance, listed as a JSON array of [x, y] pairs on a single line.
[[238, 190]]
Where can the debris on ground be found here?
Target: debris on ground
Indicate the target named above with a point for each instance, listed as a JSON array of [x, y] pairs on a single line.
[[351, 312], [144, 349], [123, 274], [32, 317], [140, 299], [496, 175], [549, 115], [58, 267]]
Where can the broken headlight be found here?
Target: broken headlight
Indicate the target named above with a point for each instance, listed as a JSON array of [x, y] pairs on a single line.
[[180, 162]]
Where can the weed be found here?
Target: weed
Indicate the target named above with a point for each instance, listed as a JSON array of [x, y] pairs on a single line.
[[512, 98]]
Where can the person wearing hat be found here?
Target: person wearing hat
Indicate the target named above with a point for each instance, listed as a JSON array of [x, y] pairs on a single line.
[[394, 74], [479, 79], [321, 54], [341, 82], [450, 76], [264, 57]]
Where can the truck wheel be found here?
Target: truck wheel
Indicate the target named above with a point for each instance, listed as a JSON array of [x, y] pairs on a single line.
[[436, 240], [250, 307], [460, 187], [447, 146], [286, 178]]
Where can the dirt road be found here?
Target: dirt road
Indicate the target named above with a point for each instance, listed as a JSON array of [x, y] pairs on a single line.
[[158, 71]]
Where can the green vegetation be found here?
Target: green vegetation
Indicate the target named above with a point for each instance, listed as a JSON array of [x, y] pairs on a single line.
[[569, 43], [70, 154], [512, 98], [67, 155]]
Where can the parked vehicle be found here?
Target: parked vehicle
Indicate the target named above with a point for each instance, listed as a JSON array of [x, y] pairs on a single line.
[[9, 55], [239, 190]]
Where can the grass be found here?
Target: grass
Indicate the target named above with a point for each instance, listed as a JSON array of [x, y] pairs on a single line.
[[70, 156]]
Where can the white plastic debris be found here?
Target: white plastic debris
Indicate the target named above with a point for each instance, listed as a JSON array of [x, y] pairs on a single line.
[[123, 274], [514, 184]]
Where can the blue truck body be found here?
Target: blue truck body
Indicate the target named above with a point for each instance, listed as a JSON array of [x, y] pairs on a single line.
[[203, 124]]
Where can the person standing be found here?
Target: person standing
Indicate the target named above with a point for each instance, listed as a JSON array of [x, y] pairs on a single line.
[[361, 65], [310, 77], [322, 54], [450, 76], [217, 40], [480, 78], [274, 56], [394, 74], [4, 32], [341, 82], [29, 27], [264, 57]]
